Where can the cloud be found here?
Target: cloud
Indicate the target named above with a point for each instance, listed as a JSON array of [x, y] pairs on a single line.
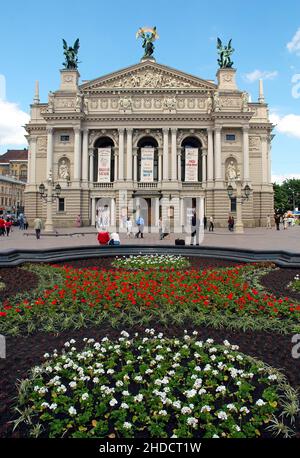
[[259, 74], [288, 124], [12, 118], [293, 46], [279, 179]]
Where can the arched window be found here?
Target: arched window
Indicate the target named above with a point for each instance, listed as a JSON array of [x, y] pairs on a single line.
[[191, 142], [147, 142], [104, 142]]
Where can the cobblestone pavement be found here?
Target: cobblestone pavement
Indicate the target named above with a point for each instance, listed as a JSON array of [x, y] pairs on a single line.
[[257, 239]]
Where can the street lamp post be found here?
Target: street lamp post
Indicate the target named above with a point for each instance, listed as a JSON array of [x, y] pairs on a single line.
[[241, 195], [49, 196]]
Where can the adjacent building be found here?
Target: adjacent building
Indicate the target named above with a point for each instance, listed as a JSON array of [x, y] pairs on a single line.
[[11, 195], [14, 163], [149, 139]]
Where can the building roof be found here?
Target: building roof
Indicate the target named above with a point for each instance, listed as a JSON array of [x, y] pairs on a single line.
[[14, 154], [8, 179]]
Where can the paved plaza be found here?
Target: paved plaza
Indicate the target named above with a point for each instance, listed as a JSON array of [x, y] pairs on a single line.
[[255, 239]]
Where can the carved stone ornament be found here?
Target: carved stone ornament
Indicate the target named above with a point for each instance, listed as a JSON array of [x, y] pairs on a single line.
[[112, 133], [254, 142], [170, 103], [64, 168], [125, 103], [42, 144], [50, 108], [216, 103], [231, 170]]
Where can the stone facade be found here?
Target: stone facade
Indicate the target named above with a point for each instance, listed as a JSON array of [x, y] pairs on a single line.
[[149, 105]]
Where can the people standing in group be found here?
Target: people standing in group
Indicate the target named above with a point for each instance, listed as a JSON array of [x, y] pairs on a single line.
[[277, 221], [37, 225], [269, 222], [205, 223], [140, 224], [129, 227], [211, 224], [8, 224]]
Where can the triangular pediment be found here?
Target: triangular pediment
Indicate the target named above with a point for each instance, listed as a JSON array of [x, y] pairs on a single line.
[[147, 75]]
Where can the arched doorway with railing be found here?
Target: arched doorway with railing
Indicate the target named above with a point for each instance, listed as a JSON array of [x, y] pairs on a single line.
[[104, 160], [191, 160]]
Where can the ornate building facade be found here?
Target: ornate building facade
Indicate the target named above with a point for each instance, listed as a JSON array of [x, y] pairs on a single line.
[[152, 139]]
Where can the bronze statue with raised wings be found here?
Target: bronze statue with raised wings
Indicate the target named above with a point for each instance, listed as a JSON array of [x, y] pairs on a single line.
[[224, 52], [71, 59]]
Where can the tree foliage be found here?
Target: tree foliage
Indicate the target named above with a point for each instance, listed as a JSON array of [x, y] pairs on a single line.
[[287, 195]]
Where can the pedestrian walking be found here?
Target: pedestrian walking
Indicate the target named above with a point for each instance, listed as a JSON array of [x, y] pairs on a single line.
[[193, 228], [140, 224], [277, 221], [25, 222], [230, 223], [211, 224], [129, 227], [8, 225], [269, 222], [37, 225], [205, 223], [21, 221]]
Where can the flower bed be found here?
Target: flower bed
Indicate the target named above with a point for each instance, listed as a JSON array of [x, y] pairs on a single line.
[[151, 262], [295, 283], [89, 296], [153, 386]]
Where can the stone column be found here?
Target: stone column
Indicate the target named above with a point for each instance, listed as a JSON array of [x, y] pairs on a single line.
[[264, 159], [210, 155], [160, 156], [77, 154], [269, 150], [93, 210], [85, 156], [156, 212], [129, 155], [218, 164], [201, 212], [204, 154], [91, 157], [121, 154], [182, 219], [32, 165], [112, 212], [246, 153], [116, 165], [179, 164], [49, 151], [173, 155], [165, 153], [135, 164]]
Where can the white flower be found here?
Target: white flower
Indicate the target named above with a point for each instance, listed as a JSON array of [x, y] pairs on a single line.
[[202, 391], [84, 396], [221, 389], [222, 415], [125, 393], [186, 410], [177, 404], [138, 398], [215, 436], [119, 383], [113, 402], [127, 425], [260, 403], [138, 378], [198, 383], [231, 407], [272, 377], [46, 355], [53, 406], [110, 371], [237, 428], [72, 384], [190, 393], [205, 409], [163, 413], [45, 405], [124, 405], [244, 409], [72, 411], [96, 380], [191, 421]]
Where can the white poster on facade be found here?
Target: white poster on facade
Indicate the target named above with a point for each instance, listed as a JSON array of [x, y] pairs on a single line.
[[191, 164], [104, 155], [147, 164]]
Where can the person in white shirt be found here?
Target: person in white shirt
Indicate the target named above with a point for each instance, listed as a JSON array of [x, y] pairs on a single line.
[[129, 227], [114, 239]]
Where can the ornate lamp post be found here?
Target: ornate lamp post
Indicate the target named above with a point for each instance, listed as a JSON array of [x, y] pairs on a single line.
[[49, 196], [241, 195]]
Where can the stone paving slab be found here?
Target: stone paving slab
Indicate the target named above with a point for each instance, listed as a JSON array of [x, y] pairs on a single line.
[[253, 239]]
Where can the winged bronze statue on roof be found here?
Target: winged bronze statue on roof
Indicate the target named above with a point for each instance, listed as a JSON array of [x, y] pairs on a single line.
[[149, 35], [224, 52], [71, 55]]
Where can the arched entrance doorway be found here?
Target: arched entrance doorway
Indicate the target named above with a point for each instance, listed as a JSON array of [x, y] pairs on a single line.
[[107, 150], [191, 159]]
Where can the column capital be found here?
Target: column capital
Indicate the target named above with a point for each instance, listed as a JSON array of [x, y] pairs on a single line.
[[218, 129], [209, 129], [165, 130], [49, 130], [174, 130], [129, 130], [246, 128], [204, 151], [77, 129], [91, 152], [121, 130], [85, 130]]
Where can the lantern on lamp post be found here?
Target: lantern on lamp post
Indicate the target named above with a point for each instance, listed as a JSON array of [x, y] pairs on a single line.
[[49, 195]]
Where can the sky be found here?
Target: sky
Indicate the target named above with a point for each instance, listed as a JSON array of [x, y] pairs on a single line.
[[265, 35]]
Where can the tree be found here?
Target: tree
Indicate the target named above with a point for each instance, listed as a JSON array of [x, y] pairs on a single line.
[[281, 204], [292, 189]]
